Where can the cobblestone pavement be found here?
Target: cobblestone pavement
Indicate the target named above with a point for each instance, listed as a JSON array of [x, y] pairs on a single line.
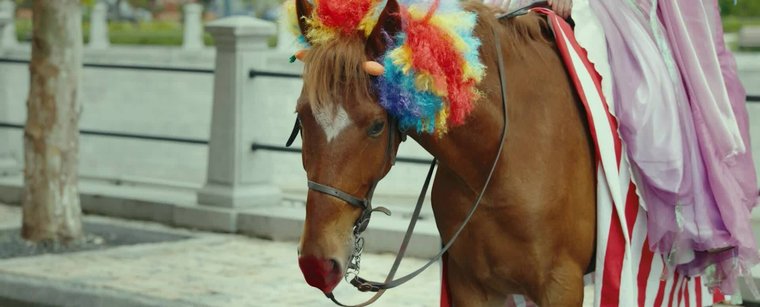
[[211, 270]]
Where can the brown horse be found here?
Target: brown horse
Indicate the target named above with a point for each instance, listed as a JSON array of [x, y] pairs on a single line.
[[534, 232]]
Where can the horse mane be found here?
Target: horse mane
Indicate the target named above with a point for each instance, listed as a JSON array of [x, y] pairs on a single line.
[[337, 63], [520, 35]]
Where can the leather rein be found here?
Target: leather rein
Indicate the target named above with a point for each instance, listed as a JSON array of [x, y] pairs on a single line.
[[365, 204]]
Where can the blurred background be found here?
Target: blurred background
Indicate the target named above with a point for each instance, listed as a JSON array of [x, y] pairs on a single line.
[[189, 194], [159, 22], [153, 22]]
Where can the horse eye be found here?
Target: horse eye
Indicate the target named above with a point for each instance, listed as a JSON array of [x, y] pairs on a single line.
[[376, 128]]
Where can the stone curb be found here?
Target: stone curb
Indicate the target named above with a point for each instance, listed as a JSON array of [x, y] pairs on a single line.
[[280, 223], [50, 292]]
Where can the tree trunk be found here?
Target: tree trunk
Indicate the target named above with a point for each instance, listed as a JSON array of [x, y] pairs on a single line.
[[51, 135]]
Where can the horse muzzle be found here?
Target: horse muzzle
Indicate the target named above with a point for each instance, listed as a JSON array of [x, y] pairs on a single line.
[[323, 274]]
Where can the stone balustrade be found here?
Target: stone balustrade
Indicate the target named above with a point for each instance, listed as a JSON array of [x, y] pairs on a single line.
[[9, 163], [7, 24], [236, 177], [749, 37], [192, 38], [99, 27]]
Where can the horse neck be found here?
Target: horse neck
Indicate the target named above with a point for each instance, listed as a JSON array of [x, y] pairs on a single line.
[[469, 150]]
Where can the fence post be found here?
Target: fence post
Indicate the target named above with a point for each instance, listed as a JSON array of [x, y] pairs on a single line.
[[99, 27], [192, 38], [236, 176], [7, 24]]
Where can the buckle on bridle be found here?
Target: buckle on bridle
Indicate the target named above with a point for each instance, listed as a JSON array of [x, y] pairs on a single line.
[[365, 287], [363, 221], [384, 210]]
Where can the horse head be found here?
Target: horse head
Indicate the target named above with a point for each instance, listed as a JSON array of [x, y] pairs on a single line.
[[349, 141]]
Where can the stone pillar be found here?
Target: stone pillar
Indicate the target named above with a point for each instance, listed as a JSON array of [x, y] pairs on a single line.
[[286, 41], [7, 24], [192, 38], [237, 176], [99, 27]]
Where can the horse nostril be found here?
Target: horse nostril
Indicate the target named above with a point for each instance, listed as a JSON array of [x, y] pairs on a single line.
[[320, 273]]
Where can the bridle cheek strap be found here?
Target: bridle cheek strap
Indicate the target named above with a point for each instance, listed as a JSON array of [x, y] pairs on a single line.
[[293, 133]]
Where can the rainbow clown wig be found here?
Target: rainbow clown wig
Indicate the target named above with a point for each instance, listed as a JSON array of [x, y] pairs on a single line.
[[432, 65]]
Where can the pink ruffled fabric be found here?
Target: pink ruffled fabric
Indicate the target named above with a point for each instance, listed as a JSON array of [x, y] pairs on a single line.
[[717, 101], [682, 117]]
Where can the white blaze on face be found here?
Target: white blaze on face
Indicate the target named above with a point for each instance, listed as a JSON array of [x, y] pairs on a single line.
[[332, 120]]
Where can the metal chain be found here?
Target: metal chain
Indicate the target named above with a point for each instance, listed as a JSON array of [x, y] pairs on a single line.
[[354, 261]]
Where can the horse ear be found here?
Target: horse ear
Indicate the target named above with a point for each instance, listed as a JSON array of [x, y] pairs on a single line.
[[303, 11], [388, 25]]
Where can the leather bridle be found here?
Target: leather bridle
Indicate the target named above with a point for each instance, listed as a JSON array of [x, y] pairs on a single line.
[[365, 204]]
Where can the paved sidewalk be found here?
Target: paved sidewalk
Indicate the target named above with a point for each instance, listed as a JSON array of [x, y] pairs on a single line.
[[210, 269]]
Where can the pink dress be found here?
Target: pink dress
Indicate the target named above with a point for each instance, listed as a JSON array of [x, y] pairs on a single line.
[[677, 96], [682, 118], [717, 101]]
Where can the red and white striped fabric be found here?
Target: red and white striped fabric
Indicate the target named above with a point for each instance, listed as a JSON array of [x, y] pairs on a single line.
[[628, 273]]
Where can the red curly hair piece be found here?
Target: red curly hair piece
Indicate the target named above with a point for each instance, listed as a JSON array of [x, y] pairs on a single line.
[[344, 15]]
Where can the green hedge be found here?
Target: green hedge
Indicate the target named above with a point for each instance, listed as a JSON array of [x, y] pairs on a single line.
[[740, 8], [170, 33], [127, 33], [734, 24]]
